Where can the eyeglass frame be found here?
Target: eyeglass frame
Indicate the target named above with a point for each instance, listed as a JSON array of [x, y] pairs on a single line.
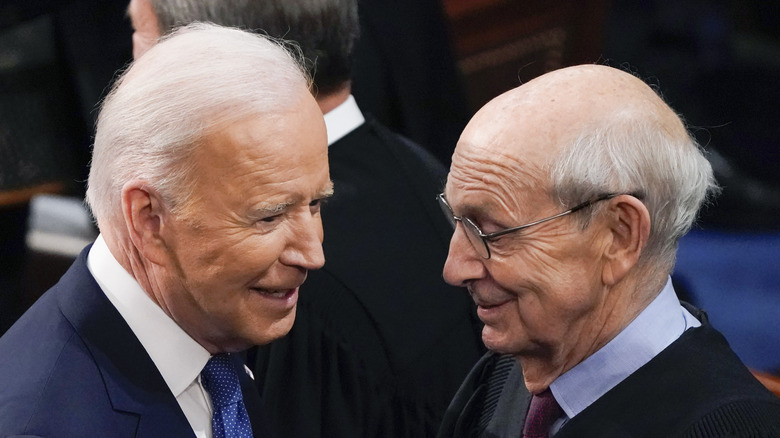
[[490, 237]]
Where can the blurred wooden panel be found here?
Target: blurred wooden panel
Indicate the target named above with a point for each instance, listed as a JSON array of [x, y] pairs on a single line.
[[503, 43], [770, 381]]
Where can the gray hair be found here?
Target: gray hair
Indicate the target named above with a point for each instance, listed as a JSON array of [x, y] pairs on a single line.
[[174, 13], [326, 30], [631, 152], [199, 78]]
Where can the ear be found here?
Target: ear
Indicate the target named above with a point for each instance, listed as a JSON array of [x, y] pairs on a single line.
[[629, 228], [145, 217]]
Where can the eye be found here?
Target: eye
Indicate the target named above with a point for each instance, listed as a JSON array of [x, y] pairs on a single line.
[[269, 223], [316, 204], [271, 219], [487, 225]]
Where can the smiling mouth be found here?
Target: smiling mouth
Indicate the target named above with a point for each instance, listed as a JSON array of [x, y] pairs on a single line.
[[489, 306], [484, 304], [277, 293]]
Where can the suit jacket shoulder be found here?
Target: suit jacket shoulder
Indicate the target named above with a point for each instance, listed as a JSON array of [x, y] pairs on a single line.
[[78, 370]]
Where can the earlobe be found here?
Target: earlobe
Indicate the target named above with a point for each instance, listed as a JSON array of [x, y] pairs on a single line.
[[629, 225], [144, 215]]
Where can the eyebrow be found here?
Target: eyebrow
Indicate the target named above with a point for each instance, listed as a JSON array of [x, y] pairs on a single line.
[[275, 208], [326, 191], [267, 209]]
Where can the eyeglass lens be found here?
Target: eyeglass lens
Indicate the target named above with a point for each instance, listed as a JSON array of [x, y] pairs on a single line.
[[472, 232]]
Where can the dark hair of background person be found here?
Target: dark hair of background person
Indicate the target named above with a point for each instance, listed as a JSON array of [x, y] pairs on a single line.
[[325, 30], [402, 66]]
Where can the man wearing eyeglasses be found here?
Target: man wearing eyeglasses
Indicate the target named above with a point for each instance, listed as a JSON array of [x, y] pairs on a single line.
[[568, 196]]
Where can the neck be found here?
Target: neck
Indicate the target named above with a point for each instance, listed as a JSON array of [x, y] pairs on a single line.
[[126, 253], [622, 305], [328, 102]]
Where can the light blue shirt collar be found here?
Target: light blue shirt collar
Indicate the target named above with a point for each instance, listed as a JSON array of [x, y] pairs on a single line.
[[656, 327]]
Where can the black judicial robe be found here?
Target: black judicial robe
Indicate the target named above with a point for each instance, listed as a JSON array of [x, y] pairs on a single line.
[[695, 388]]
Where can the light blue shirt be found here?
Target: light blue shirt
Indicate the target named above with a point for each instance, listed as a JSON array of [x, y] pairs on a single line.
[[660, 324]]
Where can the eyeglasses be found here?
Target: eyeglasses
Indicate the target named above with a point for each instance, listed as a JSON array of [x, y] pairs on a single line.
[[479, 240]]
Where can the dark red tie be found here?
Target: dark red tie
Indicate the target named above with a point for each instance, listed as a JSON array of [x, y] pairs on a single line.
[[542, 413]]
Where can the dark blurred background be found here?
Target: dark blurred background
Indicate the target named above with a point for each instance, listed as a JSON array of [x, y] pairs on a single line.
[[424, 67]]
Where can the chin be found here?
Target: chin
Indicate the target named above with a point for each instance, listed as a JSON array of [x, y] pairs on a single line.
[[494, 340], [503, 343], [275, 330]]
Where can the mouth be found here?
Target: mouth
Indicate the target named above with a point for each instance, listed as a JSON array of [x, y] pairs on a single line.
[[279, 294], [492, 313], [485, 303], [487, 308]]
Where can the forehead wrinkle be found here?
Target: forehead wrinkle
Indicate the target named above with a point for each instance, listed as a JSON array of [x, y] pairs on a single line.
[[501, 173]]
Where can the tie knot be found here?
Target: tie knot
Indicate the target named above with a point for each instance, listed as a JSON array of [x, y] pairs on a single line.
[[221, 381], [542, 413]]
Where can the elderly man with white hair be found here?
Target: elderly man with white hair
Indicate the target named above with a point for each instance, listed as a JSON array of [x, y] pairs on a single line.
[[569, 195], [208, 171]]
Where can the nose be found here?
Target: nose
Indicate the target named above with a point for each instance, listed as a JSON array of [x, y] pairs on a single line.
[[463, 264], [305, 246]]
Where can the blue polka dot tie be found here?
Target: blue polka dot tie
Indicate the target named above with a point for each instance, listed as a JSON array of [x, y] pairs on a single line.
[[230, 419]]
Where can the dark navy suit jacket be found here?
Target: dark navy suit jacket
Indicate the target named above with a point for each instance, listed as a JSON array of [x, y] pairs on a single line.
[[71, 367]]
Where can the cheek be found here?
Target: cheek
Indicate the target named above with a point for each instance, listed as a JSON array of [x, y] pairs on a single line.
[[241, 263], [545, 289], [212, 265]]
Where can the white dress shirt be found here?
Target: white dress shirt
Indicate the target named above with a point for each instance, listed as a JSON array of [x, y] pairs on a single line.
[[654, 329], [175, 354], [343, 119]]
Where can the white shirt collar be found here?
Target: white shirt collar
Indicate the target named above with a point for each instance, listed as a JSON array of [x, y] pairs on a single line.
[[343, 119], [178, 357], [659, 324]]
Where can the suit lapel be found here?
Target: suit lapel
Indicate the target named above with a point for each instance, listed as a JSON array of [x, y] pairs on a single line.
[[132, 381]]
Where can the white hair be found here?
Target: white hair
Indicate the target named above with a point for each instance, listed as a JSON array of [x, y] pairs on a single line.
[[631, 152], [198, 78]]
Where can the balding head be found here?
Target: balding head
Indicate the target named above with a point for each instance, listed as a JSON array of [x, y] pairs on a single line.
[[579, 185], [553, 110], [325, 30], [590, 129]]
